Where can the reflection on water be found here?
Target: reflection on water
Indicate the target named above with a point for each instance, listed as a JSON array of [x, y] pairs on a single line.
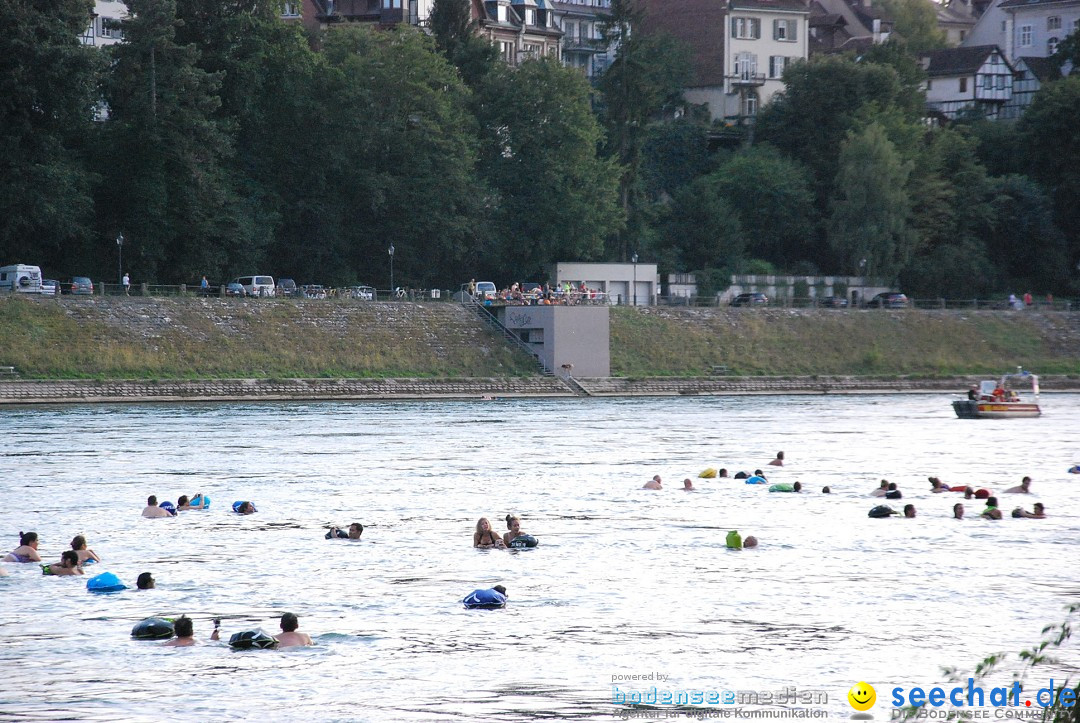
[[625, 581]]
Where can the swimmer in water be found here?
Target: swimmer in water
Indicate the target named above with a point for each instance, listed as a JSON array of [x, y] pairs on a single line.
[[145, 581], [513, 523], [152, 509], [909, 510], [245, 508], [936, 485], [1023, 488], [355, 530], [27, 549], [779, 461], [1039, 512], [750, 541], [881, 490], [688, 486], [485, 537], [185, 633], [78, 544], [958, 511], [991, 512], [68, 565], [653, 484], [288, 637]]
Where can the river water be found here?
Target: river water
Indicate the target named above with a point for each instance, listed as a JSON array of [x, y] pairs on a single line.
[[624, 582]]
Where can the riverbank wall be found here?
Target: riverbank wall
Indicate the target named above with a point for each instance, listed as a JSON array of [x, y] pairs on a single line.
[[488, 389]]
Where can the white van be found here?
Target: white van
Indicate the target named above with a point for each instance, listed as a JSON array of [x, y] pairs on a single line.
[[486, 290], [20, 278], [257, 285]]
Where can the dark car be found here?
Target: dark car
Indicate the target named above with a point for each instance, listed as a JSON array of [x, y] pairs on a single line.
[[235, 288], [79, 285], [888, 300], [834, 302], [755, 298], [287, 287]]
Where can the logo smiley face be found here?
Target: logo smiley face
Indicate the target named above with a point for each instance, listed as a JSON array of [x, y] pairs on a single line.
[[862, 696]]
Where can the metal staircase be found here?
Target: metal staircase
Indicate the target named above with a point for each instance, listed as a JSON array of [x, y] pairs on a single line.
[[491, 320]]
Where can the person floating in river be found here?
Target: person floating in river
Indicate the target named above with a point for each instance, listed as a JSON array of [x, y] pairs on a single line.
[[27, 549], [779, 461], [355, 530], [78, 544], [653, 484], [485, 537]]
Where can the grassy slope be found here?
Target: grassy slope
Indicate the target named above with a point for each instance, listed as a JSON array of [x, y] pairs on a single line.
[[687, 342], [221, 338]]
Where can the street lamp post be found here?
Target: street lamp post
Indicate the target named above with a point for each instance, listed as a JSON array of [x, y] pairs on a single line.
[[391, 252], [633, 260], [120, 257]]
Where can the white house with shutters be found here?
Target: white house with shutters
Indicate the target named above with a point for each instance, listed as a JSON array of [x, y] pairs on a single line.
[[764, 36]]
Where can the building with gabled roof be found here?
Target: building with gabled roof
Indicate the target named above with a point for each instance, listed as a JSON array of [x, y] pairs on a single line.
[[965, 80], [1026, 28], [842, 26]]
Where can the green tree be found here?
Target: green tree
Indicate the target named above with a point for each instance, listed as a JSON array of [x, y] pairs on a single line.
[[401, 158], [1048, 130], [774, 201], [871, 208], [916, 22], [455, 36], [553, 198], [47, 82], [704, 229], [824, 100], [168, 185], [1024, 244], [646, 77]]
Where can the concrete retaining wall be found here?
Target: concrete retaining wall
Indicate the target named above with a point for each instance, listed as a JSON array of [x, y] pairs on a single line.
[[68, 391]]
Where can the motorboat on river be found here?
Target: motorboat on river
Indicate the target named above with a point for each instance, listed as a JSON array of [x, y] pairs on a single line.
[[1000, 400]]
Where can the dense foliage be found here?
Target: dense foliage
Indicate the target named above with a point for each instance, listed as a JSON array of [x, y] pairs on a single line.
[[222, 141]]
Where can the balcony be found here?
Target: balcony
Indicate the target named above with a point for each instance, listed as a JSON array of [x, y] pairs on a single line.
[[746, 79], [582, 44]]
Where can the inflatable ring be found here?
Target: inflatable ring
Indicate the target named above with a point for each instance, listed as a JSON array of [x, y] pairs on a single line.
[[734, 540], [236, 506], [708, 473], [522, 542], [1075, 469], [46, 569], [252, 640], [484, 600], [200, 502], [756, 480], [168, 507], [782, 487], [105, 582], [882, 511], [153, 629]]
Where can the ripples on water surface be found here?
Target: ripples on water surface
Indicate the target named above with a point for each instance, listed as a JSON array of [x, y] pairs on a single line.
[[624, 581]]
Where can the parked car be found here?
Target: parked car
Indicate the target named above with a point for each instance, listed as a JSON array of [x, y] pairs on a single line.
[[888, 300], [78, 285], [257, 285], [754, 298], [287, 287], [834, 302], [364, 293], [235, 288], [314, 291], [50, 287], [486, 290]]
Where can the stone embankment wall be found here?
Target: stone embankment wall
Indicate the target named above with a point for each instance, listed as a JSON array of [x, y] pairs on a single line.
[[45, 392], [81, 391]]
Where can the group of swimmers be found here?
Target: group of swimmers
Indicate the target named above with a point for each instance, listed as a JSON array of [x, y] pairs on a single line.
[[71, 561], [486, 538], [889, 490]]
